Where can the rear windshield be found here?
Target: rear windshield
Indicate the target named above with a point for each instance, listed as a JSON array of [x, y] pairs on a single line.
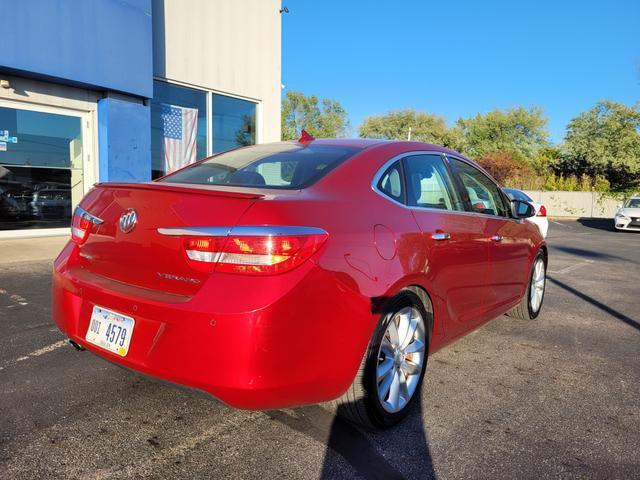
[[289, 166]]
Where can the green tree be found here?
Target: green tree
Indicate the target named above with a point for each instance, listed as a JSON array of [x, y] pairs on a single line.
[[420, 126], [321, 118], [518, 131], [546, 159], [245, 135], [605, 141]]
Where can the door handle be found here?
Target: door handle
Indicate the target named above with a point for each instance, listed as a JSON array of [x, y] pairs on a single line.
[[441, 236], [496, 238]]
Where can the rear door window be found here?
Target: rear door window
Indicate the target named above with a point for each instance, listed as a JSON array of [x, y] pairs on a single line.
[[484, 195], [284, 165], [429, 184]]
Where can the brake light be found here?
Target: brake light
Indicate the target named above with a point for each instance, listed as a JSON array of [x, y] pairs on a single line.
[[82, 223], [542, 212], [256, 254], [267, 254]]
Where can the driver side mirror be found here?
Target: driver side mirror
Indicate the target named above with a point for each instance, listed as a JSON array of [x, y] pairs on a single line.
[[521, 209]]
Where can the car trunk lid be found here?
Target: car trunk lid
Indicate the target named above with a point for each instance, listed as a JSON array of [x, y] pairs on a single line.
[[144, 257]]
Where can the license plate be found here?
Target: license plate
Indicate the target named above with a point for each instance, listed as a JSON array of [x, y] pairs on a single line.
[[110, 330]]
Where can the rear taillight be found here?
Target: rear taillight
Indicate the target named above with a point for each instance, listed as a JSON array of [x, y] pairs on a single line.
[[81, 225], [204, 249], [267, 254], [265, 251], [542, 212]]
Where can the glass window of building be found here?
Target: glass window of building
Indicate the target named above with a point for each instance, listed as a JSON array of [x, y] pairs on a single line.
[[41, 175], [178, 127], [234, 123]]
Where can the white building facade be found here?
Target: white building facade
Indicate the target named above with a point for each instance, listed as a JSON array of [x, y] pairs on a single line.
[[126, 90]]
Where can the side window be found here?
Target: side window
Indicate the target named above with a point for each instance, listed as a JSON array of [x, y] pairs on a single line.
[[429, 184], [484, 195], [391, 183]]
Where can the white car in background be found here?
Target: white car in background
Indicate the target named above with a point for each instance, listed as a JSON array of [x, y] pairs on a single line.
[[628, 215], [541, 211]]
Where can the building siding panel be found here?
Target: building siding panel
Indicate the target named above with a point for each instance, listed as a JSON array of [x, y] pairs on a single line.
[[237, 45], [124, 141], [104, 44]]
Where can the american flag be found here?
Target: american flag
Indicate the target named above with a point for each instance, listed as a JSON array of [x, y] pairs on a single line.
[[179, 132]]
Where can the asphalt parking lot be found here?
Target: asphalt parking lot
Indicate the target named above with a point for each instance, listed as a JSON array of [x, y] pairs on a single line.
[[556, 397]]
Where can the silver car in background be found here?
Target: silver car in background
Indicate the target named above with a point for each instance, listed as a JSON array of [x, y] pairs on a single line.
[[628, 215]]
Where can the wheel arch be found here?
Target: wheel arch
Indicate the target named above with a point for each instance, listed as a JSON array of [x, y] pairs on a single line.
[[545, 252], [426, 301]]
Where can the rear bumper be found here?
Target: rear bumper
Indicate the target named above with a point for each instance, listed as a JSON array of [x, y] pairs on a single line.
[[296, 340]]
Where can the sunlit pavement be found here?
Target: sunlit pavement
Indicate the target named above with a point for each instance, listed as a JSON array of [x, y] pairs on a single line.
[[556, 397]]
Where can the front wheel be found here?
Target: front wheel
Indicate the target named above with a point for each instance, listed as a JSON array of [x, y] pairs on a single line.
[[393, 367], [531, 303]]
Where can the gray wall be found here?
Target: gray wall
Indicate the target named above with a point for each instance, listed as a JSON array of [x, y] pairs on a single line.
[[576, 204]]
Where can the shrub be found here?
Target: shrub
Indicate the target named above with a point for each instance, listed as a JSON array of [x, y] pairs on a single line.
[[503, 166], [601, 184]]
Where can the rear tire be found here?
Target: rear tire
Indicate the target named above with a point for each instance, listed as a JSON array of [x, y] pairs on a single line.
[[392, 368], [531, 303]]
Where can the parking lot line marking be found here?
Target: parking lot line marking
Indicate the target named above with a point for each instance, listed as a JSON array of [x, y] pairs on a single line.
[[19, 299], [35, 353], [229, 424], [570, 268], [15, 298]]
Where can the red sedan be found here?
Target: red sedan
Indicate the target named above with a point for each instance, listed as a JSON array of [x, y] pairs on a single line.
[[301, 272]]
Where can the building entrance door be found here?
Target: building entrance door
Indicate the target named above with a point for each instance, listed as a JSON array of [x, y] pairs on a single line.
[[44, 155]]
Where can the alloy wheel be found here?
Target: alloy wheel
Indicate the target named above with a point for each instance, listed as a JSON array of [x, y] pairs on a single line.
[[401, 358], [537, 285]]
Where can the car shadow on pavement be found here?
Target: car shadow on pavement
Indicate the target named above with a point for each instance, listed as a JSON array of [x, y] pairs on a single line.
[[597, 223], [605, 308], [581, 252], [365, 452]]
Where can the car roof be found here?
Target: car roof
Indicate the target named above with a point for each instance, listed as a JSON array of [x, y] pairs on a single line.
[[367, 143], [348, 142], [399, 147]]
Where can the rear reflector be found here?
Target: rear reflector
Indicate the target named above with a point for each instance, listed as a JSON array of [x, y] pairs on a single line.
[[204, 249], [542, 212], [260, 253], [81, 224]]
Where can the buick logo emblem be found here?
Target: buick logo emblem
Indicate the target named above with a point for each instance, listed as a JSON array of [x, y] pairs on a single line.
[[128, 220]]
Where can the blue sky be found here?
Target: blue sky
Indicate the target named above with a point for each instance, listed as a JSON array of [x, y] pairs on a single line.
[[457, 58]]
